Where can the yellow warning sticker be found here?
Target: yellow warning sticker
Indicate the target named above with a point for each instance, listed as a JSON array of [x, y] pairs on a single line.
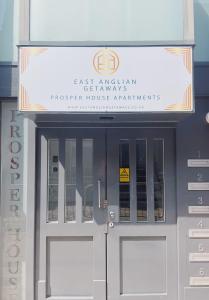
[[124, 174]]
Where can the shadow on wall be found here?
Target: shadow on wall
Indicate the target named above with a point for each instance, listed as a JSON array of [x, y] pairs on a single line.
[[201, 18], [8, 69]]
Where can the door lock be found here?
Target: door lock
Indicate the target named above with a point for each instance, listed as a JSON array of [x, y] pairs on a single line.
[[112, 215], [111, 224]]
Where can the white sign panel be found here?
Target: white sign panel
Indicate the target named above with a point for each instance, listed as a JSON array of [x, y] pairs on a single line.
[[199, 233], [198, 210], [198, 186], [201, 163], [199, 281], [119, 79], [199, 257]]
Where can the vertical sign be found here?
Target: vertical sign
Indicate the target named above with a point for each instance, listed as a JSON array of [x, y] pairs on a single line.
[[12, 216]]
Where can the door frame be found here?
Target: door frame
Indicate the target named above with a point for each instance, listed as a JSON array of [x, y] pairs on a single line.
[[46, 231], [145, 229], [29, 196], [29, 181]]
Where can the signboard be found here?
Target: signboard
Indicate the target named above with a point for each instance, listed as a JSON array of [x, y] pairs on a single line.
[[200, 163], [119, 79], [198, 210], [12, 221], [199, 281], [199, 233], [198, 186], [199, 257], [124, 175]]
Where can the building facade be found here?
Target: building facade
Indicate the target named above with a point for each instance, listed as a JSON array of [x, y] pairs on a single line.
[[104, 166]]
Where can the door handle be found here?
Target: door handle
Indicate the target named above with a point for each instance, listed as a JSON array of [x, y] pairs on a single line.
[[101, 203], [99, 193]]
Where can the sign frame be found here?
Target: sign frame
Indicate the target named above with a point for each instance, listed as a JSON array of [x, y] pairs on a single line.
[[35, 94]]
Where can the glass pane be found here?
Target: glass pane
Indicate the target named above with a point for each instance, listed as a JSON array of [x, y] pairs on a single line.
[[87, 179], [124, 181], [159, 179], [109, 20], [141, 179], [53, 171], [201, 16], [70, 179], [9, 30]]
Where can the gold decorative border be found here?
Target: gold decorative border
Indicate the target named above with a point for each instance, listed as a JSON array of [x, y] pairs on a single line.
[[25, 55], [24, 104], [186, 55], [186, 105]]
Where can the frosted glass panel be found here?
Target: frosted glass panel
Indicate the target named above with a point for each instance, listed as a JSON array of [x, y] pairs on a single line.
[[201, 17], [141, 179], [70, 179], [53, 177], [124, 184], [158, 147], [88, 184], [9, 29], [106, 20]]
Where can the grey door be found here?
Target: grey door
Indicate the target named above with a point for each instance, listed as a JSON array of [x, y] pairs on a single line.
[[71, 223], [87, 249], [141, 240]]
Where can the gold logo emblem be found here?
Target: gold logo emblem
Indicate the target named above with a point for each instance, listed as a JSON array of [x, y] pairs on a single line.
[[106, 62]]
